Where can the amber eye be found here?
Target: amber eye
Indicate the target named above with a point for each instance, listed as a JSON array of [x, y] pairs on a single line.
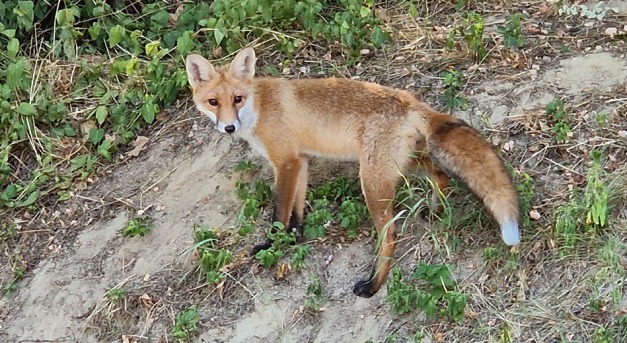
[[213, 102], [237, 99]]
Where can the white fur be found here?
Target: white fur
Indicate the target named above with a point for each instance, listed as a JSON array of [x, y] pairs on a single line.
[[247, 123], [510, 232]]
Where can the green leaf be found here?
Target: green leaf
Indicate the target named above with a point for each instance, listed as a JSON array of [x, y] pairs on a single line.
[[103, 149], [364, 11], [30, 200], [116, 34], [218, 35], [8, 32], [185, 44], [101, 114], [26, 109], [9, 192], [152, 48], [96, 135], [378, 36], [13, 47], [148, 111]]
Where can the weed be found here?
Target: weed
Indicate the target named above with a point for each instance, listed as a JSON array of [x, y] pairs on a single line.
[[185, 324], [350, 214], [255, 196], [317, 221], [269, 257], [246, 166], [18, 275], [555, 110], [581, 220], [299, 256], [442, 296], [598, 11], [526, 191], [280, 239], [452, 89], [471, 31], [601, 118], [313, 299], [511, 31], [212, 258], [116, 294], [137, 227], [596, 193]]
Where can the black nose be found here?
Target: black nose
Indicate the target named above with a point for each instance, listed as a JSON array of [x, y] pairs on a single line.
[[229, 128]]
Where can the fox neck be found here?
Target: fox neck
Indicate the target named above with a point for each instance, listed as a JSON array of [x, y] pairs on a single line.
[[248, 118]]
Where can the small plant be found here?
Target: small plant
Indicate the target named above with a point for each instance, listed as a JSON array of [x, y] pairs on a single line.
[[269, 257], [313, 299], [137, 227], [116, 294], [255, 196], [511, 31], [596, 193], [212, 258], [555, 110], [525, 186], [431, 288], [471, 31], [581, 219], [316, 222], [299, 256], [18, 275], [452, 89], [185, 325], [350, 214], [598, 11]]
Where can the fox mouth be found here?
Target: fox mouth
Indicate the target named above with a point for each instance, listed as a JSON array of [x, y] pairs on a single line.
[[229, 128]]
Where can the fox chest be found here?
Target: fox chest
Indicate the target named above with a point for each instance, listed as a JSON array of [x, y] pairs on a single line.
[[254, 142]]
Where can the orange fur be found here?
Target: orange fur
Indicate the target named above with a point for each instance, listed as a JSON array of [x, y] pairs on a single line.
[[387, 130]]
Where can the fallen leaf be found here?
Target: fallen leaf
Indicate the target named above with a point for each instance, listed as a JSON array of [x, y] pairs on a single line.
[[439, 337], [174, 17], [139, 144]]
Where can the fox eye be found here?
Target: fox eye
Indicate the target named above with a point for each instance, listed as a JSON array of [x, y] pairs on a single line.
[[237, 99], [213, 102]]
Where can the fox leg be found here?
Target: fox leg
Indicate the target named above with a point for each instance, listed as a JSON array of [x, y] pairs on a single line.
[[379, 191], [286, 177], [298, 210]]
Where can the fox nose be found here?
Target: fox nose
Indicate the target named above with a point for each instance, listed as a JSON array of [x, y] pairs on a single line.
[[229, 128]]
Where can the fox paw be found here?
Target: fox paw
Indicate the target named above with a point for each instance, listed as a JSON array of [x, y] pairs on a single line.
[[263, 246], [364, 288]]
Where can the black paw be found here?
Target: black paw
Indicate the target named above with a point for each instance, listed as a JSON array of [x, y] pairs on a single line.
[[263, 246], [364, 288]]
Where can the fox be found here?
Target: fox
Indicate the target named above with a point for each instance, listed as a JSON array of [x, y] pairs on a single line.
[[388, 131]]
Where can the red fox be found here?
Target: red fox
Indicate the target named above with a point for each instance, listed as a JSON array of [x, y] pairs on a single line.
[[387, 131]]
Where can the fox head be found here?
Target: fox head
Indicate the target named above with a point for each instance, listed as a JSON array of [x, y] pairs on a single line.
[[221, 93]]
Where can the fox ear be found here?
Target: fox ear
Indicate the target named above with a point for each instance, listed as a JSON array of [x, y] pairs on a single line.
[[243, 65], [199, 70]]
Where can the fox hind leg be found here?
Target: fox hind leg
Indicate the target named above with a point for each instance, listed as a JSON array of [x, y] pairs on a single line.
[[379, 191]]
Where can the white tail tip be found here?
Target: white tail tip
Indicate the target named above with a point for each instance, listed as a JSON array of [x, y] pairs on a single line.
[[510, 232]]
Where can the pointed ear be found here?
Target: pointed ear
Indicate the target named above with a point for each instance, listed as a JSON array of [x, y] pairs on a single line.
[[199, 70], [243, 65]]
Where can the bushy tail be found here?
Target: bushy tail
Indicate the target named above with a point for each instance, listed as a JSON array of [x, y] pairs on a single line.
[[461, 152]]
